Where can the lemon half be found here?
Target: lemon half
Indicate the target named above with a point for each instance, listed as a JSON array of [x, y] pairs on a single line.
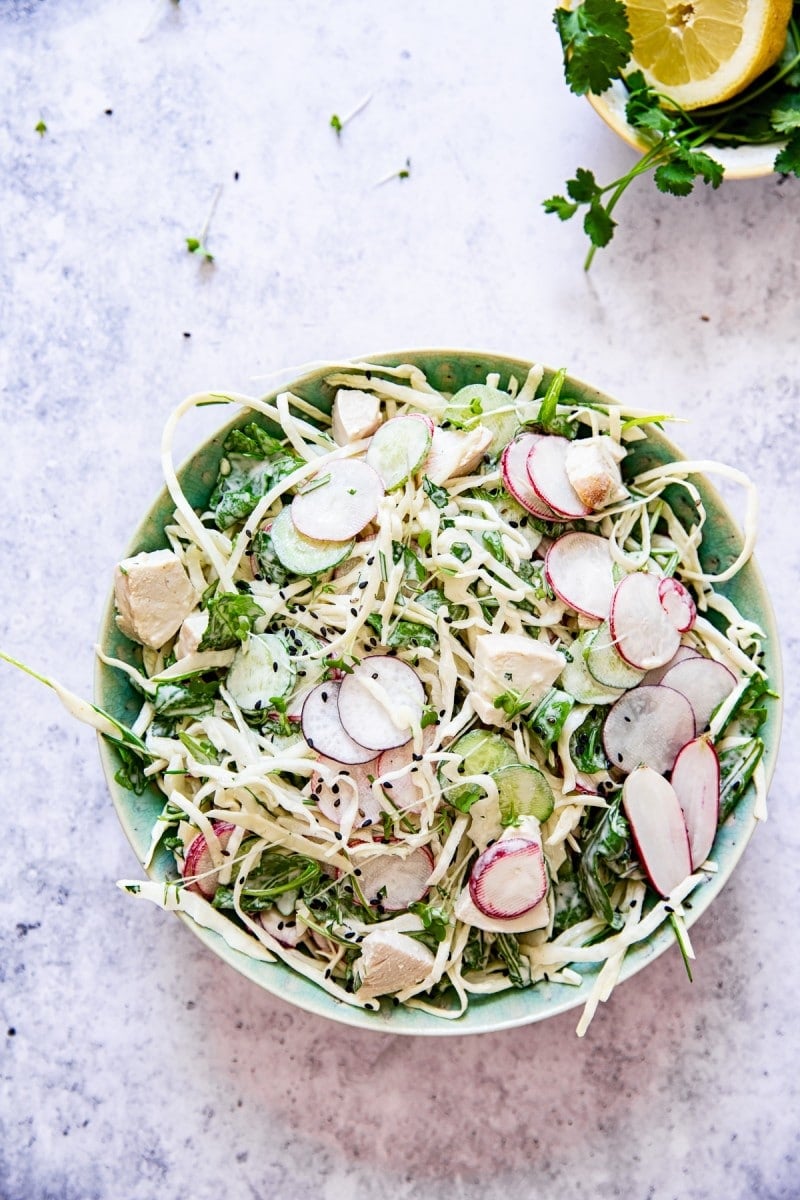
[[700, 52]]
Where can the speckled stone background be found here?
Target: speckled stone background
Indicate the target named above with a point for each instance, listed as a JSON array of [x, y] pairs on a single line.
[[134, 1064]]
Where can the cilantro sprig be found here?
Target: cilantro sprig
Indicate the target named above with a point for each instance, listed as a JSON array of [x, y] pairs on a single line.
[[597, 48]]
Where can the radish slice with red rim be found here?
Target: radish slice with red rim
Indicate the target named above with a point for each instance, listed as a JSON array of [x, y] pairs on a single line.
[[548, 474], [514, 474], [578, 567], [658, 673], [509, 878], [406, 790], [678, 603], [695, 779], [342, 786], [649, 725], [323, 729], [198, 860], [704, 682], [338, 504], [643, 633], [382, 700], [392, 882], [658, 829]]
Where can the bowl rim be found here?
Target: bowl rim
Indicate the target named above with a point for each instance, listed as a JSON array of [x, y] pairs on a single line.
[[740, 162], [420, 1024]]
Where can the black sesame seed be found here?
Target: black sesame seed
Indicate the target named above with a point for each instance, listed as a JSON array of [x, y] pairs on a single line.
[[371, 560], [324, 697], [363, 584], [513, 524], [280, 924], [417, 757], [619, 757], [275, 666], [374, 674], [335, 789], [327, 972], [109, 112], [353, 612], [259, 704], [236, 176], [387, 785], [337, 802], [350, 933], [357, 871], [338, 836], [186, 334]]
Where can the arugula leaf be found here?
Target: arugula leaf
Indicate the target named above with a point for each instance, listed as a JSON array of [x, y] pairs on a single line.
[[586, 744], [494, 544], [272, 876], [597, 44], [571, 906], [230, 620], [131, 774], [254, 462], [736, 767], [548, 719], [606, 853], [189, 698], [436, 494], [519, 968], [413, 567], [201, 750], [404, 633]]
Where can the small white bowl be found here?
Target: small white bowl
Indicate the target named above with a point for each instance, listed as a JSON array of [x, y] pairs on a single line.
[[740, 162]]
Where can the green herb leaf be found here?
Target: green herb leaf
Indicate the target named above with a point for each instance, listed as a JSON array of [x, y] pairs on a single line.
[[785, 116], [436, 494], [788, 161], [195, 246], [596, 42], [598, 225], [230, 619], [40, 127], [519, 969], [189, 698], [606, 853], [583, 187], [131, 774], [254, 462], [336, 125], [561, 207]]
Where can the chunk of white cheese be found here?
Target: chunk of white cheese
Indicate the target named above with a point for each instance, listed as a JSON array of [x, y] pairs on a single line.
[[511, 662], [191, 634], [153, 595], [391, 962], [592, 466], [356, 415], [455, 452]]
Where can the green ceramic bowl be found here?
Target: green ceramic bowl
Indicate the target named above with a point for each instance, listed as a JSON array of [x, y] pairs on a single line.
[[447, 370]]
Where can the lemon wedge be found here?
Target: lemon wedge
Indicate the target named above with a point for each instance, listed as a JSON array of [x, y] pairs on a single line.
[[700, 52]]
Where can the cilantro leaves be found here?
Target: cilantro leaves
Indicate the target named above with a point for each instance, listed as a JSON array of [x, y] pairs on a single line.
[[597, 47], [597, 44]]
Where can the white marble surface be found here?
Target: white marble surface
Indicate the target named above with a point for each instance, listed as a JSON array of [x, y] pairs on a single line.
[[133, 1063]]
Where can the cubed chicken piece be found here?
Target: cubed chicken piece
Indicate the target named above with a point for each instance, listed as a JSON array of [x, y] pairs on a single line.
[[153, 595], [391, 962], [455, 452], [592, 466], [191, 634], [356, 415], [511, 662]]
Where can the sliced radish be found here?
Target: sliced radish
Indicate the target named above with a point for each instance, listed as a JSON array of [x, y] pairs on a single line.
[[398, 449], [658, 828], [286, 930], [578, 567], [429, 421], [648, 725], [678, 603], [643, 632], [342, 785], [509, 878], [514, 473], [339, 503], [695, 779], [198, 860], [658, 673], [382, 700], [393, 883], [548, 473], [704, 682], [404, 790], [323, 730]]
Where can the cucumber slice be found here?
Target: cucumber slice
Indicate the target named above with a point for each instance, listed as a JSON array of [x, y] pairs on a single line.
[[482, 753], [577, 679], [303, 555], [606, 665], [398, 449], [260, 670], [523, 792], [300, 644], [478, 403]]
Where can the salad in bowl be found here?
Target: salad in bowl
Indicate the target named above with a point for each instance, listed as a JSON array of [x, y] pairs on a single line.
[[435, 692]]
